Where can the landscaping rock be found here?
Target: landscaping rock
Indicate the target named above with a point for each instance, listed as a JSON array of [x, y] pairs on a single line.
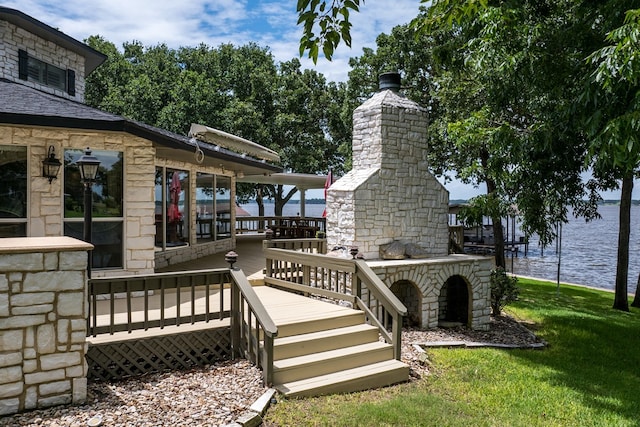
[[393, 250]]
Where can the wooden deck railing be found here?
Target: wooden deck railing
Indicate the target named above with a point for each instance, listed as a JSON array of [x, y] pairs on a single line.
[[162, 297], [249, 323], [283, 227], [339, 279], [313, 246]]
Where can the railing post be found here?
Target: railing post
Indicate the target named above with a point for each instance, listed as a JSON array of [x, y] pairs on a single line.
[[267, 365], [396, 332], [236, 321]]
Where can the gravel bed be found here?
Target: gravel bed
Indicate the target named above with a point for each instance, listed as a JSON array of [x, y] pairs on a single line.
[[212, 396], [502, 330], [216, 395]]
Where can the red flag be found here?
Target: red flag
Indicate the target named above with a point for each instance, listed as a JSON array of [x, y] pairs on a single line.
[[327, 184]]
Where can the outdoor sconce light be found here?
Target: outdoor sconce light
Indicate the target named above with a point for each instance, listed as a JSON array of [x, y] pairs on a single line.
[[231, 257], [51, 165]]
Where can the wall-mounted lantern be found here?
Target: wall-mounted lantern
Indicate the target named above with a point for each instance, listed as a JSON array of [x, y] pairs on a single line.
[[51, 165]]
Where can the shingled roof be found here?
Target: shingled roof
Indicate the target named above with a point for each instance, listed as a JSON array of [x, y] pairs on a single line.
[[22, 105]]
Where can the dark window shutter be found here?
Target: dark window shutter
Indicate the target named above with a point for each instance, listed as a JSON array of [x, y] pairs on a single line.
[[23, 65], [71, 82]]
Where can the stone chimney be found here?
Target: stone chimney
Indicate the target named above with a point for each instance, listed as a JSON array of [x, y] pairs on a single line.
[[389, 195]]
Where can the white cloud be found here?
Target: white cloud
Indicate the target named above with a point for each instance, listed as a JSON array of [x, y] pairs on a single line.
[[191, 22]]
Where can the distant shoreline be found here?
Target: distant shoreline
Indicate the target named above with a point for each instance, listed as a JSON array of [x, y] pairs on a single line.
[[316, 201]]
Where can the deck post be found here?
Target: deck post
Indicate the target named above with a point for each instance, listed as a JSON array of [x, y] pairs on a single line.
[[236, 320], [396, 331], [267, 365]]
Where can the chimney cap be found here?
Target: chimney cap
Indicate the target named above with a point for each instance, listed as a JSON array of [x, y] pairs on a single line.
[[389, 81]]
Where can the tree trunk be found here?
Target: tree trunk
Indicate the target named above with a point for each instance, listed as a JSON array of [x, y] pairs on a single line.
[[621, 301], [278, 200], [281, 199], [498, 236], [260, 202], [636, 299], [498, 241]]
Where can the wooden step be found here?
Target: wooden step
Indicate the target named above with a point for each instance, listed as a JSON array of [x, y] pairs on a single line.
[[356, 379], [314, 342], [323, 322], [326, 362]]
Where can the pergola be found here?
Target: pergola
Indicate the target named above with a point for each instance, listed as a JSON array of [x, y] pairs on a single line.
[[301, 181]]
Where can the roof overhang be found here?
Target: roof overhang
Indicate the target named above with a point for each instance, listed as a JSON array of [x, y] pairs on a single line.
[[300, 180], [92, 57], [175, 147]]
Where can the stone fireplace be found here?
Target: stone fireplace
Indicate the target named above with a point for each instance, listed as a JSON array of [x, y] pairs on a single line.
[[391, 198], [390, 193]]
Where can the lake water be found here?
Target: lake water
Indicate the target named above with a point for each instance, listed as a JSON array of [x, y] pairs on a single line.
[[588, 253], [587, 256]]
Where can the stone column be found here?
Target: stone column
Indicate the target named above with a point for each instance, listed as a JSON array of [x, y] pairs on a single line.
[[43, 312]]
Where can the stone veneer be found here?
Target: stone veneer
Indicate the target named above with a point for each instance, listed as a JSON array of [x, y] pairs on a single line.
[[429, 276], [43, 311], [45, 199], [13, 38], [390, 193]]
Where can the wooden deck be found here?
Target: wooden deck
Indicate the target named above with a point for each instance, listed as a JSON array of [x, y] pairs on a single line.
[[314, 347], [251, 259], [285, 308]]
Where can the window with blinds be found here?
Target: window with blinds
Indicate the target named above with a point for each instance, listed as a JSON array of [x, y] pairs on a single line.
[[49, 75]]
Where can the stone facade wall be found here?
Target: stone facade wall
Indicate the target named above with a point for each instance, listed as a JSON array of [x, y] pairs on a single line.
[[43, 310], [390, 193], [188, 253], [13, 38], [430, 275], [45, 207]]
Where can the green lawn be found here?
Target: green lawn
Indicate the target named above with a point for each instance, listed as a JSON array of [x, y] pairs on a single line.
[[589, 375]]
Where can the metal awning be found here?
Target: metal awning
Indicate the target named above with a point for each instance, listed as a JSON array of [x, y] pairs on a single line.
[[232, 142]]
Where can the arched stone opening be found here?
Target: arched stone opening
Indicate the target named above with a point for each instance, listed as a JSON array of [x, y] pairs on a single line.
[[454, 302], [409, 294]]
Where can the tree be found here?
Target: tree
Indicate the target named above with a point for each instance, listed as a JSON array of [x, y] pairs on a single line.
[[498, 81], [614, 126], [240, 90], [509, 80]]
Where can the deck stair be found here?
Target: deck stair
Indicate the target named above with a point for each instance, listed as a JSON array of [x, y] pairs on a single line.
[[324, 348]]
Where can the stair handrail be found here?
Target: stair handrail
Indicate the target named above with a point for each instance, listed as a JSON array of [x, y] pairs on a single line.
[[243, 291], [297, 277], [392, 305]]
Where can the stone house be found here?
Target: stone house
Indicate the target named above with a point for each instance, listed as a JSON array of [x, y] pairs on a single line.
[[42, 113]]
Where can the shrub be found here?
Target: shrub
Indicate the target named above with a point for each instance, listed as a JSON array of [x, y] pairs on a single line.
[[504, 289]]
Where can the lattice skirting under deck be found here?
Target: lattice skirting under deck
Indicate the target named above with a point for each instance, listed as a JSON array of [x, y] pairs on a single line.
[[186, 350]]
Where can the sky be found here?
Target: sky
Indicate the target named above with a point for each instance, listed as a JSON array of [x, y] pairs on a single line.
[[177, 23], [270, 23]]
